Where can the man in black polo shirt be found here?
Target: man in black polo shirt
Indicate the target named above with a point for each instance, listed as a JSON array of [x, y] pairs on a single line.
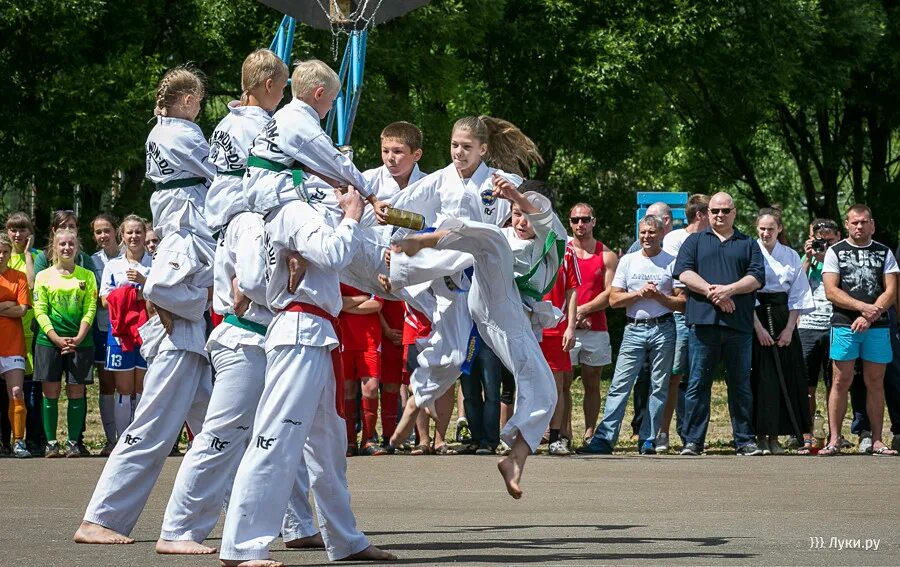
[[722, 269], [860, 278]]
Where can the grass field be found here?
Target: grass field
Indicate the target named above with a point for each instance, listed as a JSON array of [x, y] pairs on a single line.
[[718, 437]]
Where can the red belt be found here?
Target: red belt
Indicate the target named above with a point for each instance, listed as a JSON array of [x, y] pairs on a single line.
[[336, 361]]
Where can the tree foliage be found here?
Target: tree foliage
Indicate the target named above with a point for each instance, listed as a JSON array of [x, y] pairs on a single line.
[[788, 102]]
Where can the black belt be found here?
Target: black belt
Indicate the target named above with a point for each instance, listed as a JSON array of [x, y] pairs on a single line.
[[650, 321]]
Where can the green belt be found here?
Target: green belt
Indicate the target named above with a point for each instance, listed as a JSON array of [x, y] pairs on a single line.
[[232, 172], [297, 173], [245, 324], [522, 281], [178, 183]]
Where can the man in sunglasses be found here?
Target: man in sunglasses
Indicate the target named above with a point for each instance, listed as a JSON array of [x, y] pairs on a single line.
[[596, 267], [722, 269]]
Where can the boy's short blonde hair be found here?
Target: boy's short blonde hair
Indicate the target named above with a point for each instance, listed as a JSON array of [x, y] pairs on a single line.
[[312, 74], [258, 67], [403, 132]]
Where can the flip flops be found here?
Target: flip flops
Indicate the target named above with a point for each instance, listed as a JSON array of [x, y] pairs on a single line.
[[883, 451]]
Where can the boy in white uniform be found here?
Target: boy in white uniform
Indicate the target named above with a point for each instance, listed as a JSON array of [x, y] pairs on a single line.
[[297, 409], [236, 345], [533, 248], [179, 381]]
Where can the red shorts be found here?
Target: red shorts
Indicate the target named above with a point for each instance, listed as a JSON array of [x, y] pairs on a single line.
[[361, 364], [392, 363], [556, 358]]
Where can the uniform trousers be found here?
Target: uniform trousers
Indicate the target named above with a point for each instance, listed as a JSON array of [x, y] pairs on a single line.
[[177, 388], [296, 419], [206, 474]]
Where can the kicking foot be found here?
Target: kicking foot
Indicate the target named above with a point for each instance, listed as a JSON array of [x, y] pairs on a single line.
[[89, 532], [371, 553], [385, 282], [511, 474], [314, 540], [167, 547], [250, 563]]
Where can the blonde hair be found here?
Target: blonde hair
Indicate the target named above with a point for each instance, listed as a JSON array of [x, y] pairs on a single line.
[[51, 250], [6, 241], [403, 132], [176, 83], [312, 74], [259, 67], [121, 232], [508, 148]]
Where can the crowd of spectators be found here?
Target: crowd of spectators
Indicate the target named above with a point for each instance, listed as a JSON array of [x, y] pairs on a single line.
[[697, 300]]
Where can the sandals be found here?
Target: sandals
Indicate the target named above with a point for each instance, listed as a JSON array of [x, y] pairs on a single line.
[[806, 449], [829, 451], [422, 450], [883, 451], [445, 450]]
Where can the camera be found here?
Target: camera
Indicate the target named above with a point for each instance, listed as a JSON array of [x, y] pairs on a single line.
[[819, 245]]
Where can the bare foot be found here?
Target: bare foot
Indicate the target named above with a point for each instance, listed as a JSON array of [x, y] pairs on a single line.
[[314, 540], [89, 532], [167, 547], [250, 563], [511, 474], [385, 282], [411, 245], [371, 553]]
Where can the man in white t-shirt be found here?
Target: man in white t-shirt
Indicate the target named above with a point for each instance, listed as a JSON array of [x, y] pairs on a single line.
[[645, 287]]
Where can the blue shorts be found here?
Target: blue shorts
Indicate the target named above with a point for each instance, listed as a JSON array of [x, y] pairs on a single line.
[[119, 361], [872, 345]]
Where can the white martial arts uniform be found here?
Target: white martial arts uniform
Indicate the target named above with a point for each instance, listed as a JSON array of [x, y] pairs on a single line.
[[436, 196], [496, 306], [236, 350], [229, 146], [297, 408], [294, 138], [178, 381]]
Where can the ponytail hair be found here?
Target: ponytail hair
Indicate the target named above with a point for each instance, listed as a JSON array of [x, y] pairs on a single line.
[[775, 214], [259, 67], [177, 82], [508, 148]]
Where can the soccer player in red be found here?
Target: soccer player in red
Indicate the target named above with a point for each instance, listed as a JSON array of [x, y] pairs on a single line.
[[392, 362], [361, 354], [556, 344], [415, 326]]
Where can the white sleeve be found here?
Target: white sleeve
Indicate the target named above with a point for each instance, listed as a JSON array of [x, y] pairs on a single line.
[[328, 248], [620, 280], [800, 295], [250, 262], [421, 197], [320, 155], [166, 285], [106, 283], [830, 264], [890, 263], [193, 156]]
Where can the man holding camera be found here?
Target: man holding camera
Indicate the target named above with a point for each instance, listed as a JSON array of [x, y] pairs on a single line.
[[815, 328]]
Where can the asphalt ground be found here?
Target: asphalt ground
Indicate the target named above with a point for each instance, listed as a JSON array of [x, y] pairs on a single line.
[[613, 510]]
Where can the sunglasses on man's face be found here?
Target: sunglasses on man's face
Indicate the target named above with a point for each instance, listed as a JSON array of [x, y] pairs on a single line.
[[724, 211], [581, 220]]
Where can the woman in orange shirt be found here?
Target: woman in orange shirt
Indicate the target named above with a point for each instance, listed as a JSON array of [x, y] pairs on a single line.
[[14, 303]]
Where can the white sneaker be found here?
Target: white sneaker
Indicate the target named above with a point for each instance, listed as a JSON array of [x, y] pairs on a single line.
[[662, 443], [775, 447], [865, 442], [20, 450], [559, 448], [763, 444]]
